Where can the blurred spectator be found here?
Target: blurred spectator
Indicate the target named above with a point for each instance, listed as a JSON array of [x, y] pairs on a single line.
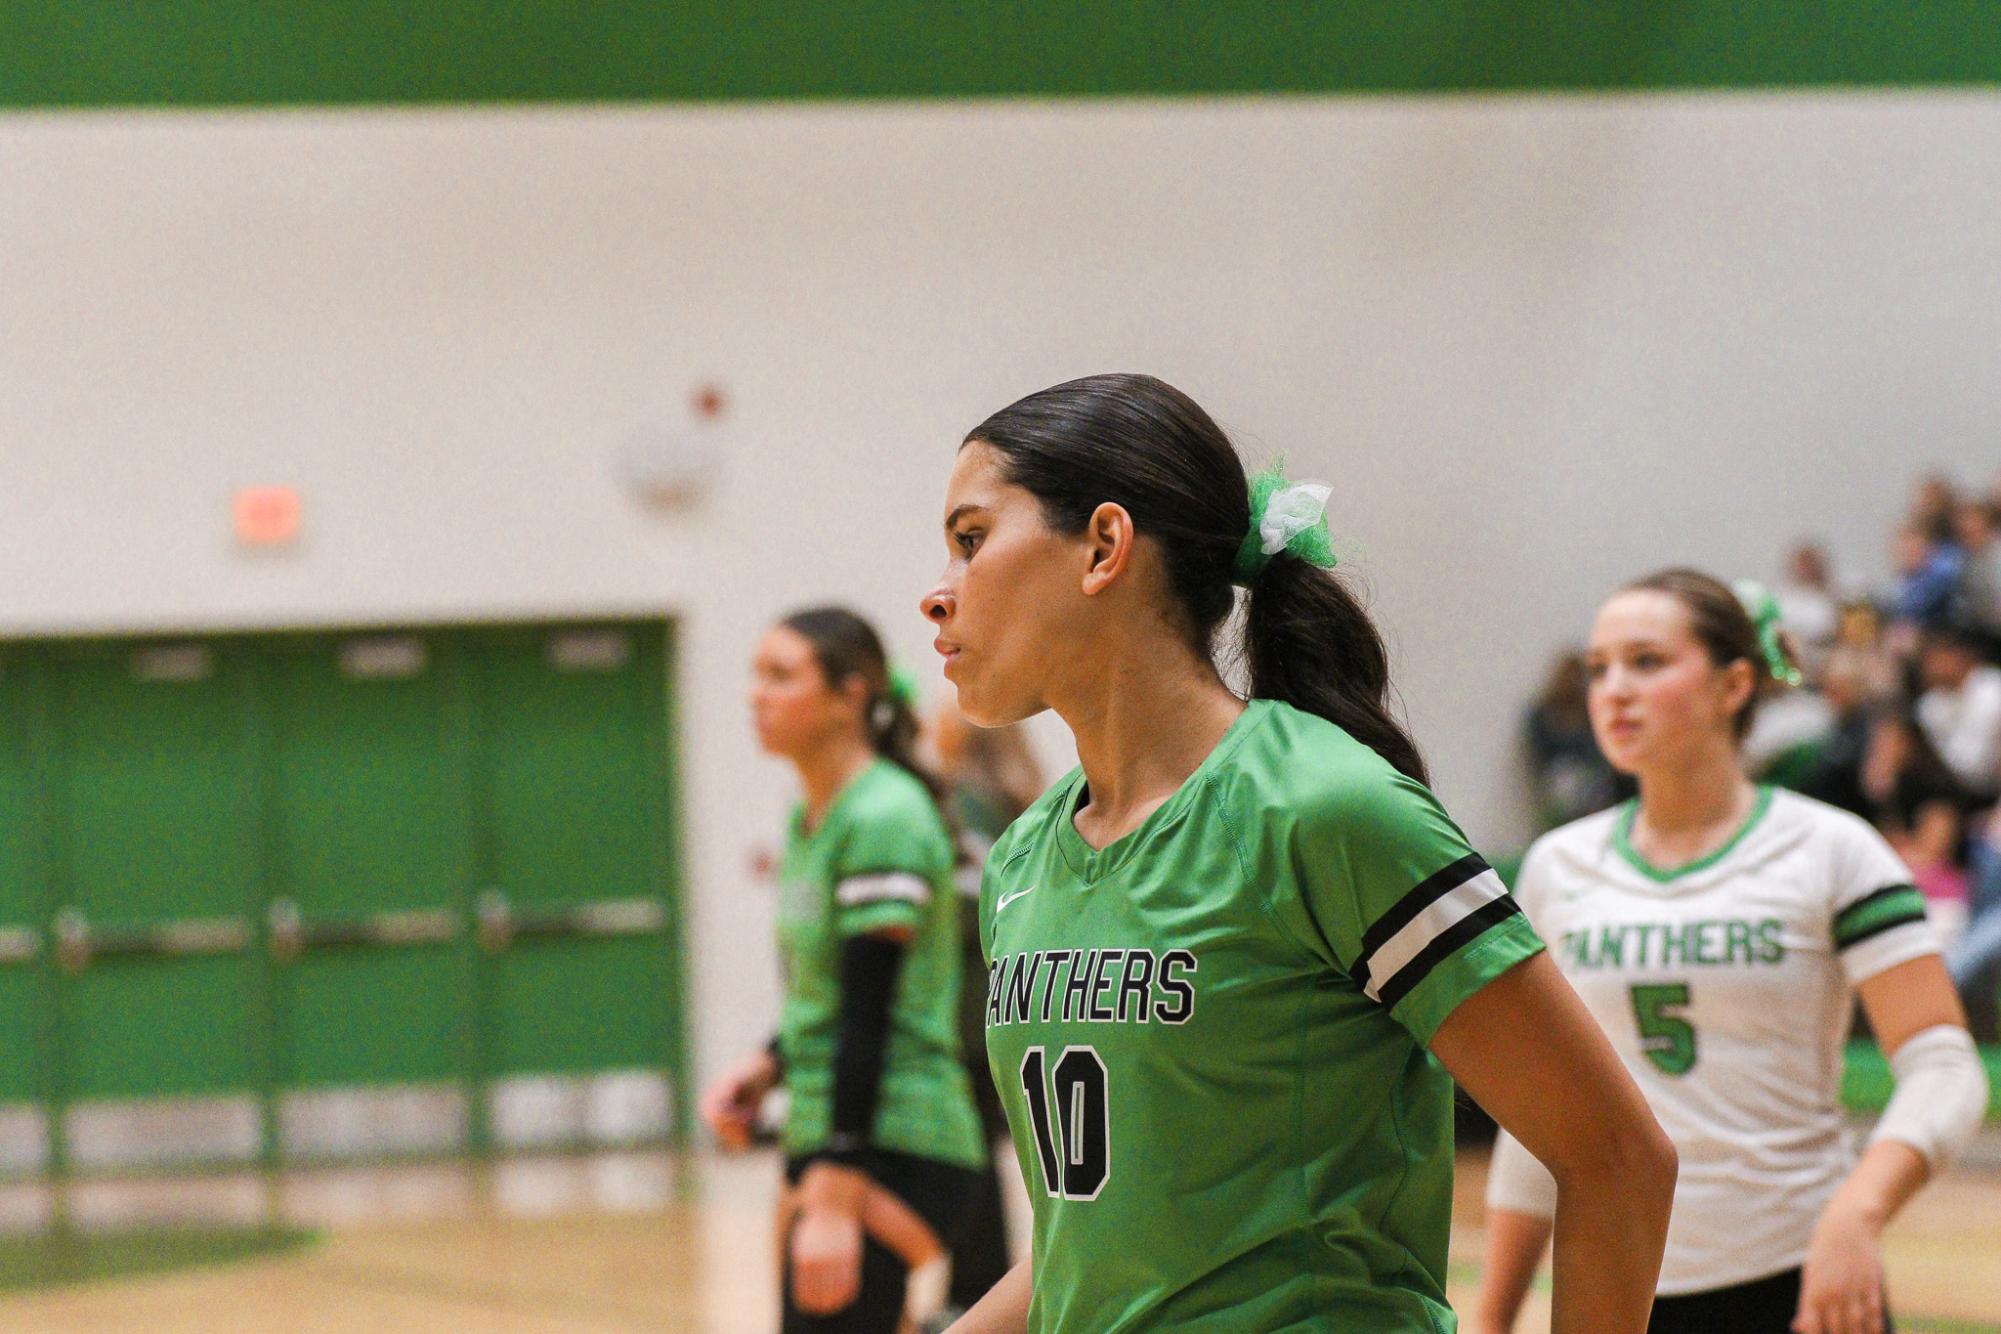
[[1571, 778], [1861, 626], [1807, 606], [1980, 582], [1960, 709], [1975, 961], [991, 771], [1932, 503], [1928, 572], [1911, 796], [1849, 685], [1787, 737]]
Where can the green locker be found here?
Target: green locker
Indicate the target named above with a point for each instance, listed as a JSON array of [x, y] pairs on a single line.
[[371, 862], [157, 854], [573, 798], [23, 885], [269, 863]]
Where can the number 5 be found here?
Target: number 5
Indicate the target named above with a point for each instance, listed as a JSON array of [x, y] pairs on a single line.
[[1667, 1039]]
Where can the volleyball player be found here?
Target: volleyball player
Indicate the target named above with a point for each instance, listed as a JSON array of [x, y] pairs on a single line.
[[881, 1139], [1230, 952], [1719, 932]]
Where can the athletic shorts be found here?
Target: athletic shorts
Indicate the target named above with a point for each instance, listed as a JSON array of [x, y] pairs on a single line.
[[1762, 1306], [935, 1192]]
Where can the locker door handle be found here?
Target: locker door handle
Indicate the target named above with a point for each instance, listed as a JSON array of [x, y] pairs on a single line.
[[292, 933], [19, 944], [500, 925], [494, 922], [79, 944]]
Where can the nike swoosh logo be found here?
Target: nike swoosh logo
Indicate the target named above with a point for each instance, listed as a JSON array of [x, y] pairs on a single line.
[[1006, 899]]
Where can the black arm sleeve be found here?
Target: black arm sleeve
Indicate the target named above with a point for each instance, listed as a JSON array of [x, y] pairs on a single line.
[[869, 968]]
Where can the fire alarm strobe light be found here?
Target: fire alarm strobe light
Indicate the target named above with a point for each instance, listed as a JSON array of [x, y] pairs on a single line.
[[266, 516]]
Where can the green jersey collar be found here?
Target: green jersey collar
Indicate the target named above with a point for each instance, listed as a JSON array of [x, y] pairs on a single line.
[[1090, 863], [1622, 840]]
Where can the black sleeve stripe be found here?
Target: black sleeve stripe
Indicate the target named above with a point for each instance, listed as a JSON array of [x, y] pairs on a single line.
[[1447, 944], [1401, 914]]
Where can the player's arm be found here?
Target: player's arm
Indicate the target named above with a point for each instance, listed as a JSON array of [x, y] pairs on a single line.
[[730, 1104], [833, 1190], [1940, 1098], [1521, 1194], [1004, 1310], [1528, 1050]]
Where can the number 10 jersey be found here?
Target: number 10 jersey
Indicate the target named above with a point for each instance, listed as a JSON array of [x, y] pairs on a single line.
[[1210, 1040]]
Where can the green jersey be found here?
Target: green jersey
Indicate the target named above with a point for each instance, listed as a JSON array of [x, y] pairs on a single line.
[[1210, 1037], [880, 859]]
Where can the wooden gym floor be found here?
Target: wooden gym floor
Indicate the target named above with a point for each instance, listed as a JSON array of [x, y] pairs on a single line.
[[632, 1242]]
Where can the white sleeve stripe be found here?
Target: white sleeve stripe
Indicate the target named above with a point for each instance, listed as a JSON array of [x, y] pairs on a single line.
[[881, 886], [1438, 917], [1886, 949]]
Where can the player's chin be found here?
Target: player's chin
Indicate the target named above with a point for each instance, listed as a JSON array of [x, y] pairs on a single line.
[[983, 706], [773, 742], [1627, 760]]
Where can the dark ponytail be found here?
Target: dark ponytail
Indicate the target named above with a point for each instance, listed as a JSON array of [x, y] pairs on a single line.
[[846, 646], [1309, 642], [1140, 443]]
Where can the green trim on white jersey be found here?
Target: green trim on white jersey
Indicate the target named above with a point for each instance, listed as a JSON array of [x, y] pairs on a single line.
[[1728, 990], [1622, 839]]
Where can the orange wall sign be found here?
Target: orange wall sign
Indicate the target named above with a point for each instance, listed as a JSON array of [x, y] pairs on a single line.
[[266, 516]]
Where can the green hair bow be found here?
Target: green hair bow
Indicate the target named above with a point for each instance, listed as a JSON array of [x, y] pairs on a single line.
[[1763, 609], [903, 688], [1286, 516]]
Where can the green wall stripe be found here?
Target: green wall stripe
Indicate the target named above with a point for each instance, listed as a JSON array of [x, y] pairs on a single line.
[[78, 53]]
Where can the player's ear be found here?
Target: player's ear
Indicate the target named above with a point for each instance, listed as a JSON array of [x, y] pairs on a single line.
[[1109, 537], [854, 693], [1740, 682]]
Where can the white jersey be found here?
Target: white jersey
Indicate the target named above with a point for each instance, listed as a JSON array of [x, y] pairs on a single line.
[[1726, 986]]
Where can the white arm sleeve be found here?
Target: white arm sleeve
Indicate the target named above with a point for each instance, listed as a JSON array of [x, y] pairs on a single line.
[[1941, 1095], [1517, 1181]]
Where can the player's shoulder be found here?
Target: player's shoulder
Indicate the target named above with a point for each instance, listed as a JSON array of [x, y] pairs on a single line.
[[884, 785], [1798, 814], [887, 796], [1304, 793], [1846, 854], [1586, 838], [1315, 770]]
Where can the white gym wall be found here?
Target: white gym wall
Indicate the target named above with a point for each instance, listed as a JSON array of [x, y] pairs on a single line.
[[1537, 344]]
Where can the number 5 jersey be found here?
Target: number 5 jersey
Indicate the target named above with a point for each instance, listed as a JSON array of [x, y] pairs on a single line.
[[1726, 985], [1210, 1039]]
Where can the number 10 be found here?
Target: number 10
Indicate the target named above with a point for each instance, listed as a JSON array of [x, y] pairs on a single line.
[[1076, 1150]]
